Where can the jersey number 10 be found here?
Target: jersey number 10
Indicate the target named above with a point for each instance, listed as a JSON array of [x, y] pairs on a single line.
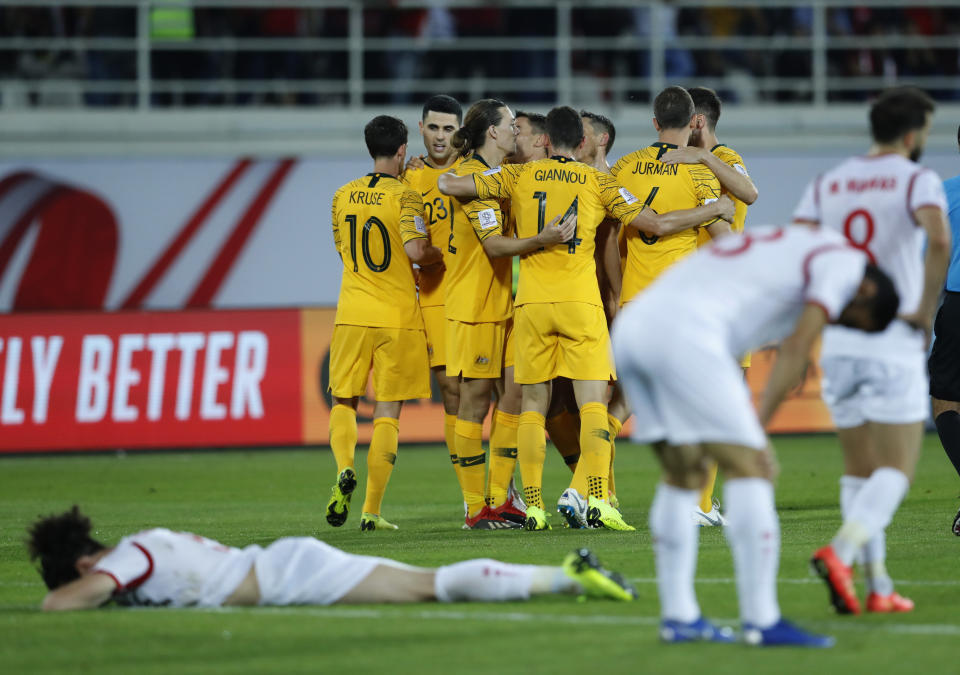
[[372, 222]]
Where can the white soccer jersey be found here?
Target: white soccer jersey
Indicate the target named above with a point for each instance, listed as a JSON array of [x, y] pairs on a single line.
[[871, 201], [749, 290], [176, 569]]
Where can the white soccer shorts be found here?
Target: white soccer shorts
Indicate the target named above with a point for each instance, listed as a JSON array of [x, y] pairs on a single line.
[[888, 390]]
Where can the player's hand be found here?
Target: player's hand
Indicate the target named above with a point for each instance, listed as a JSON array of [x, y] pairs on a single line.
[[557, 231], [919, 321], [415, 162], [687, 155], [727, 208]]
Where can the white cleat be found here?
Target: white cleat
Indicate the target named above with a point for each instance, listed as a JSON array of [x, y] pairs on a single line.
[[713, 518], [573, 507]]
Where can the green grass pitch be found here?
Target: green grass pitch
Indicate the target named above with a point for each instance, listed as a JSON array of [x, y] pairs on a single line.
[[243, 497]]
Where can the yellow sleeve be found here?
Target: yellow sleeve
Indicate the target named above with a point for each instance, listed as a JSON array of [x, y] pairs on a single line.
[[411, 217], [485, 217], [706, 187], [497, 183], [733, 159], [621, 163], [618, 201], [335, 221]]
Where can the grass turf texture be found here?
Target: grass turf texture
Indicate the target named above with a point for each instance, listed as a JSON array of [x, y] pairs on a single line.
[[256, 496]]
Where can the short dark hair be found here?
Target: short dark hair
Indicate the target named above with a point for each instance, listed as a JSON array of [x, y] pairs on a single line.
[[384, 136], [564, 127], [537, 121], [897, 112], [442, 103], [673, 107], [59, 541], [604, 124], [706, 103], [885, 303]]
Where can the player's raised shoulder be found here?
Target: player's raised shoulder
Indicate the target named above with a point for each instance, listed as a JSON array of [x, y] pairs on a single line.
[[625, 161]]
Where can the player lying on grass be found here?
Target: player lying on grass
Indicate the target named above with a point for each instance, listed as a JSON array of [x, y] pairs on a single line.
[[159, 567]]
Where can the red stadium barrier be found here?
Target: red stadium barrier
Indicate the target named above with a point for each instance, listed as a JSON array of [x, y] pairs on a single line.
[[83, 381]]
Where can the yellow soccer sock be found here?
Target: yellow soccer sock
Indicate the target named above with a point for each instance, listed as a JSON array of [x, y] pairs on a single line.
[[706, 496], [503, 456], [615, 427], [473, 464], [343, 435], [381, 458], [450, 436], [592, 475], [564, 430], [531, 453], [493, 433]]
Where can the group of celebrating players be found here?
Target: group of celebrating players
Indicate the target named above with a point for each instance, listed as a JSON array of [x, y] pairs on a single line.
[[600, 247]]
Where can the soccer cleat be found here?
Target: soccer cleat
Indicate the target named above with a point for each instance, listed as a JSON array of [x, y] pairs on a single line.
[[700, 630], [487, 519], [614, 502], [597, 582], [339, 505], [573, 507], [713, 518], [784, 634], [839, 580], [371, 521], [956, 524], [508, 511], [515, 497], [601, 514], [536, 519], [887, 604]]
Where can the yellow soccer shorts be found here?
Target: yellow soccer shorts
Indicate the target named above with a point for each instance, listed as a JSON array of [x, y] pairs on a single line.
[[561, 339], [435, 325], [397, 356], [476, 350]]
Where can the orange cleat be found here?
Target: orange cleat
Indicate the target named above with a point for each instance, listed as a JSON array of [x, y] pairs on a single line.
[[886, 604], [839, 580]]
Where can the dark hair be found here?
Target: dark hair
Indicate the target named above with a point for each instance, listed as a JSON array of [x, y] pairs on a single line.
[[604, 124], [482, 115], [885, 303], [706, 103], [58, 541], [564, 127], [384, 136], [897, 112], [673, 108], [537, 121], [442, 103]]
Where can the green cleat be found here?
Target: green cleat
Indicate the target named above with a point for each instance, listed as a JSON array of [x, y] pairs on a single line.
[[536, 519], [371, 521], [339, 505], [601, 514], [597, 582]]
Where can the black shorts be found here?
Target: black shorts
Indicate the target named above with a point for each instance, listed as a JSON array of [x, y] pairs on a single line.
[[944, 363]]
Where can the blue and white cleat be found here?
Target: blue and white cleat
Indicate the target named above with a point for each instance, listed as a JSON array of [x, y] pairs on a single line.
[[784, 634], [573, 507], [700, 630]]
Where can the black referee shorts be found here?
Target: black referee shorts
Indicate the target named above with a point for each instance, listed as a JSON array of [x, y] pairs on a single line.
[[944, 362]]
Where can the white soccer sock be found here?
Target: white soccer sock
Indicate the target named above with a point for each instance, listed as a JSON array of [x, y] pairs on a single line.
[[753, 532], [483, 580], [871, 511], [874, 565], [849, 488], [675, 538]]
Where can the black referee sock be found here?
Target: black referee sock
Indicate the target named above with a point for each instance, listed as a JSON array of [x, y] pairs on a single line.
[[948, 428]]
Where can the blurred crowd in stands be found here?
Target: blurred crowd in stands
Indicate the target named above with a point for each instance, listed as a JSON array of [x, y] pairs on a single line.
[[178, 23]]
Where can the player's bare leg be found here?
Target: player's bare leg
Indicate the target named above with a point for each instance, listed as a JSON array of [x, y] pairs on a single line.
[[502, 497], [563, 422], [531, 450], [343, 443], [879, 461], [381, 458], [946, 415]]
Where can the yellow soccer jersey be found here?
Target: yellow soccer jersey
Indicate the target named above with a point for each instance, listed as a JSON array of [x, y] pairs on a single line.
[[733, 158], [664, 188], [478, 287], [538, 192], [438, 213], [373, 217]]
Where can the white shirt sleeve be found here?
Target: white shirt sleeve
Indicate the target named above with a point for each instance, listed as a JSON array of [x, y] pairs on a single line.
[[927, 190], [832, 278], [129, 564], [809, 207]]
